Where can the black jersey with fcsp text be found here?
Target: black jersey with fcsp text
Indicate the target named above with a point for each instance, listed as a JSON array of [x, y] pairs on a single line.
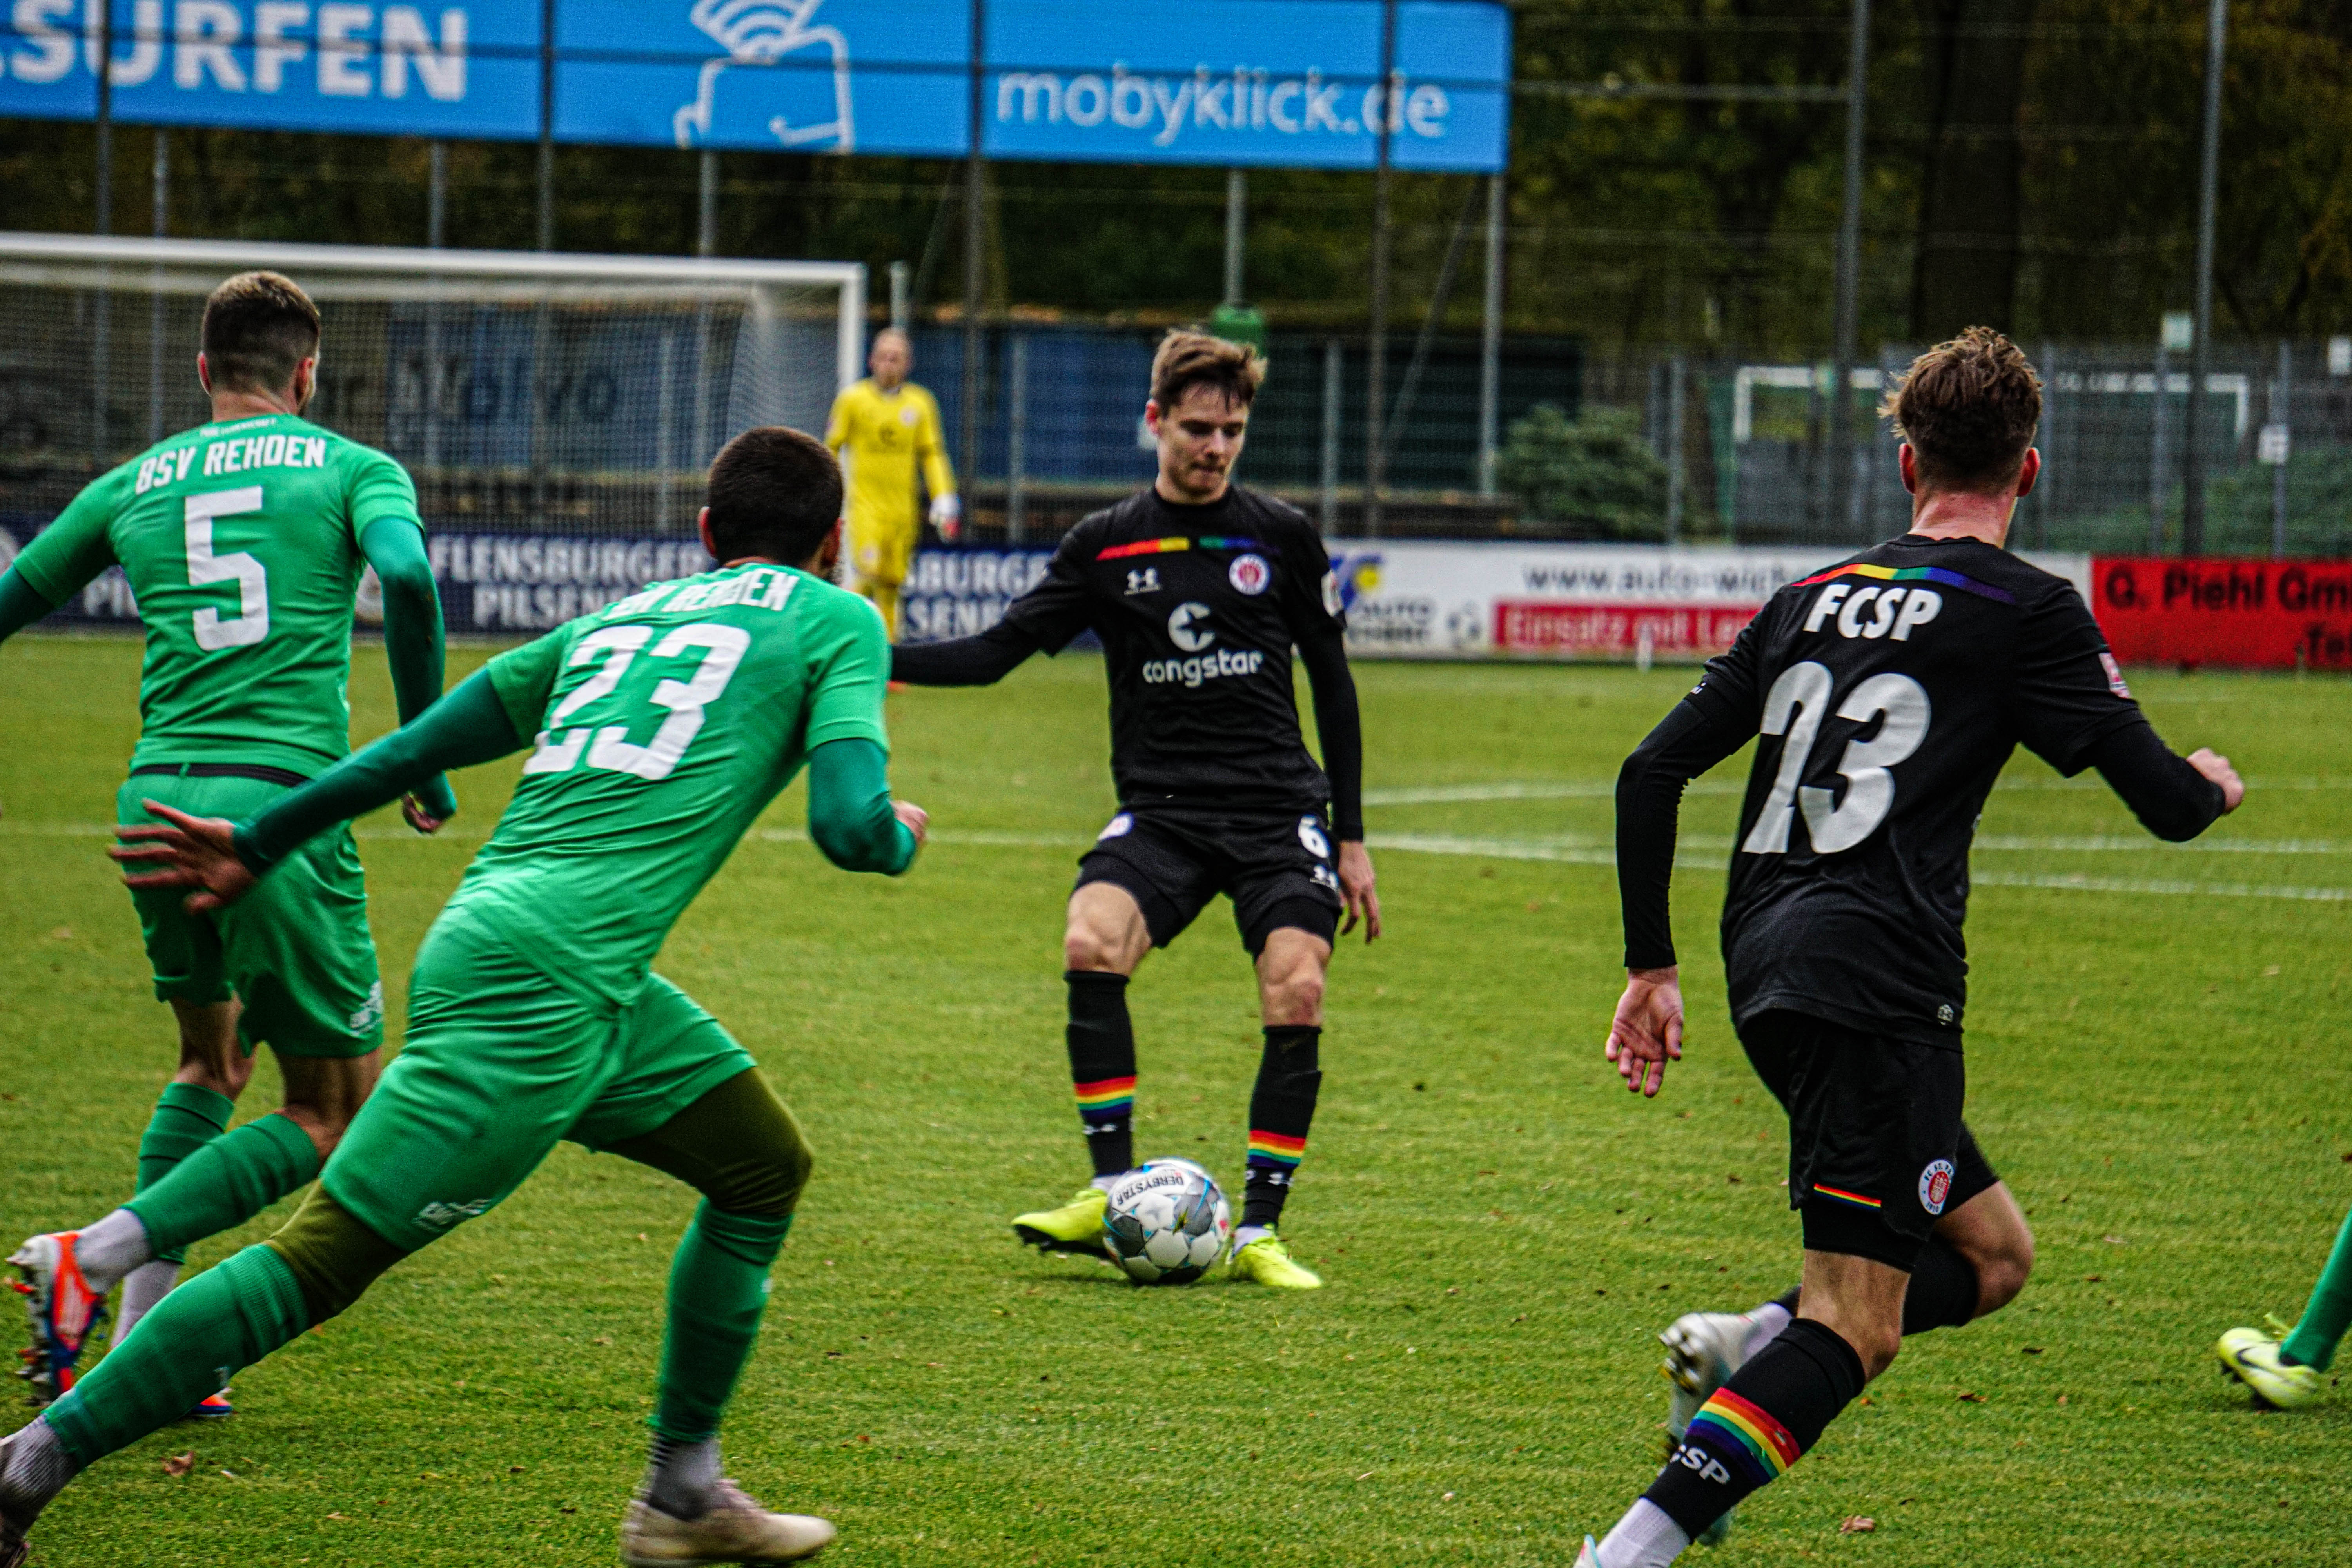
[[1197, 607], [1889, 692]]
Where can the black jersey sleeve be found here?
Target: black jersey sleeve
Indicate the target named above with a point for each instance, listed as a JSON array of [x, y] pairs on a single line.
[[1057, 607], [1310, 595], [2066, 690], [2171, 799], [980, 660], [1700, 732], [1339, 727]]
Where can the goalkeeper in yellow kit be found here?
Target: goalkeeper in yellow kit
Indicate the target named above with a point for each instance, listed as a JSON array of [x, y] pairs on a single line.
[[883, 427]]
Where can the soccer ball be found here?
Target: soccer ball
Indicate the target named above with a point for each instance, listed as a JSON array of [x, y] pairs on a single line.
[[1166, 1222]]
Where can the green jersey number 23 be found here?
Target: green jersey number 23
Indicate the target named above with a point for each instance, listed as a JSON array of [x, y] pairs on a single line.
[[607, 746]]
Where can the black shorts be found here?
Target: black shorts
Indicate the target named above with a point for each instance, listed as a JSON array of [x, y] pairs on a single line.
[[1276, 867], [1877, 1152]]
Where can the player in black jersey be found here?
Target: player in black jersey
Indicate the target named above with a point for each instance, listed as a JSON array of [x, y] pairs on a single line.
[[1889, 692], [1199, 589]]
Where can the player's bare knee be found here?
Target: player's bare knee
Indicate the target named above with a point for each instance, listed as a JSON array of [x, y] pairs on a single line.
[[2002, 1270], [1295, 997]]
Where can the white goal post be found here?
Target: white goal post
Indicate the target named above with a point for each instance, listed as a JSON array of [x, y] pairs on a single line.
[[543, 392]]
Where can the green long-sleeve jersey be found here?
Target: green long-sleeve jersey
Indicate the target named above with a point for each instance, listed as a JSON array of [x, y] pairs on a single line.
[[241, 541]]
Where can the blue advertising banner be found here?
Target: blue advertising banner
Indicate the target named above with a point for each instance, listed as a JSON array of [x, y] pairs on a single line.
[[1242, 82], [1264, 82], [468, 70]]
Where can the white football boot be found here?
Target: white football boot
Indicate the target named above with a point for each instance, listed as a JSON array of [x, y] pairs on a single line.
[[735, 1528], [1702, 1350]]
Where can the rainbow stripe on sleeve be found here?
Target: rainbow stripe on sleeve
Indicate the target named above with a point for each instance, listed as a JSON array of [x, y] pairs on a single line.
[[1747, 1431], [1945, 575], [1275, 1149], [1162, 546], [1107, 1100]]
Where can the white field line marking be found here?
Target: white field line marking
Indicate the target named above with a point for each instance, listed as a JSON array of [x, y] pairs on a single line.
[[1603, 789]]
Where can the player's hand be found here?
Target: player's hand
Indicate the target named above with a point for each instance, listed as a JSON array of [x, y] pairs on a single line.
[[917, 820], [418, 817], [2216, 766], [1356, 888], [1647, 1032], [947, 516], [198, 852]]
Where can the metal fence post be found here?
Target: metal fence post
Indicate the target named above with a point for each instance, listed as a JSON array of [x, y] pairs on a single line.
[[436, 234], [1490, 342], [2282, 415], [901, 275], [1849, 273], [547, 124], [2192, 501], [975, 223], [1237, 232], [1377, 348], [1332, 350], [163, 196], [100, 346], [1677, 371], [2160, 471], [1016, 465]]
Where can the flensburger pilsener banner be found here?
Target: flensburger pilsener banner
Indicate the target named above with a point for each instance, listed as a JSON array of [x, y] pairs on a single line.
[[1409, 600]]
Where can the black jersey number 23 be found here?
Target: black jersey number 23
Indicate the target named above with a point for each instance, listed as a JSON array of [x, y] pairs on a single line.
[[1795, 708]]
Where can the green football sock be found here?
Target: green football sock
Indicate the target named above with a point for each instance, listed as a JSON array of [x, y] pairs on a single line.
[[226, 1183], [187, 1117], [718, 1289], [222, 1320], [2329, 1311]]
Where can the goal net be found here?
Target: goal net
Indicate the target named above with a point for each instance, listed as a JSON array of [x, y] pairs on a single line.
[[526, 393]]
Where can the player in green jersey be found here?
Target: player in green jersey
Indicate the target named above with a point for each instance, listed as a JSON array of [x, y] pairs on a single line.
[[2286, 1364], [659, 729], [243, 541]]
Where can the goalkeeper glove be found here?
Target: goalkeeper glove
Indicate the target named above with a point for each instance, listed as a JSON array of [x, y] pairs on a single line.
[[947, 516]]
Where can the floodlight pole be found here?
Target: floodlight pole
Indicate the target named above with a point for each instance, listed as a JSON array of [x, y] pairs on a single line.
[[1490, 340], [1376, 361], [705, 232], [1236, 235], [547, 124], [2200, 356], [974, 224], [1842, 497]]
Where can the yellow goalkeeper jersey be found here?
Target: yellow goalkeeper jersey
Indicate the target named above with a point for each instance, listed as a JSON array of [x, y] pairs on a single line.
[[882, 435]]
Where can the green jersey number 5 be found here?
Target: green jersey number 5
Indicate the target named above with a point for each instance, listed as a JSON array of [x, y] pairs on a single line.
[[607, 746], [251, 622]]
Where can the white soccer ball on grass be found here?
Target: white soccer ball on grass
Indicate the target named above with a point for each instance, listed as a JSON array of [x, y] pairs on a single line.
[[1166, 1222]]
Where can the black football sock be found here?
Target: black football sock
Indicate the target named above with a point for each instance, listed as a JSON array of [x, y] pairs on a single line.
[[1756, 1427], [1281, 1108], [1102, 1067], [1944, 1291]]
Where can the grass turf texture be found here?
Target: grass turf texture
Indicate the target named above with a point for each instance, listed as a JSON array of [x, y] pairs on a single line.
[[2161, 1076]]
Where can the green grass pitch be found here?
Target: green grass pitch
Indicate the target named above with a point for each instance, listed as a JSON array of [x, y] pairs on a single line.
[[2158, 1063]]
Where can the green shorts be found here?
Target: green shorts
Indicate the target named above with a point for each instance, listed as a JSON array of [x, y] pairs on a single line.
[[500, 1064], [296, 950]]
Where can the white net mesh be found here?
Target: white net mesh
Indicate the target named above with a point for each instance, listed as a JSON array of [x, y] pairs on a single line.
[[525, 394]]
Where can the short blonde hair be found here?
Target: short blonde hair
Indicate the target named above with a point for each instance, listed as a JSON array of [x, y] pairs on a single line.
[[1189, 359]]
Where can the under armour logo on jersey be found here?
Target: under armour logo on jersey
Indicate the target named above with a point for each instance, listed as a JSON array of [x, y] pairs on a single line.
[[1144, 582], [1182, 621]]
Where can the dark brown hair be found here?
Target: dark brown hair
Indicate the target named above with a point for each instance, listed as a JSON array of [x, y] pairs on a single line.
[[258, 327], [1969, 407], [1190, 358], [775, 492]]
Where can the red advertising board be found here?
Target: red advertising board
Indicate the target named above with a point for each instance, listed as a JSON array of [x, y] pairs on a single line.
[[2256, 615], [1535, 625]]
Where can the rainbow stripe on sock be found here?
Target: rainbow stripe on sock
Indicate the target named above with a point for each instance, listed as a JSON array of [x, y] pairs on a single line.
[[1945, 575], [1277, 1149], [1748, 1431], [1846, 1197], [1107, 1100]]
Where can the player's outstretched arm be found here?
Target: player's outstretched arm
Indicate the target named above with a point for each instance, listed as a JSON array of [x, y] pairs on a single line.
[[1339, 729], [395, 546], [1647, 1032], [852, 819], [21, 604], [468, 726], [2175, 798], [982, 660]]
